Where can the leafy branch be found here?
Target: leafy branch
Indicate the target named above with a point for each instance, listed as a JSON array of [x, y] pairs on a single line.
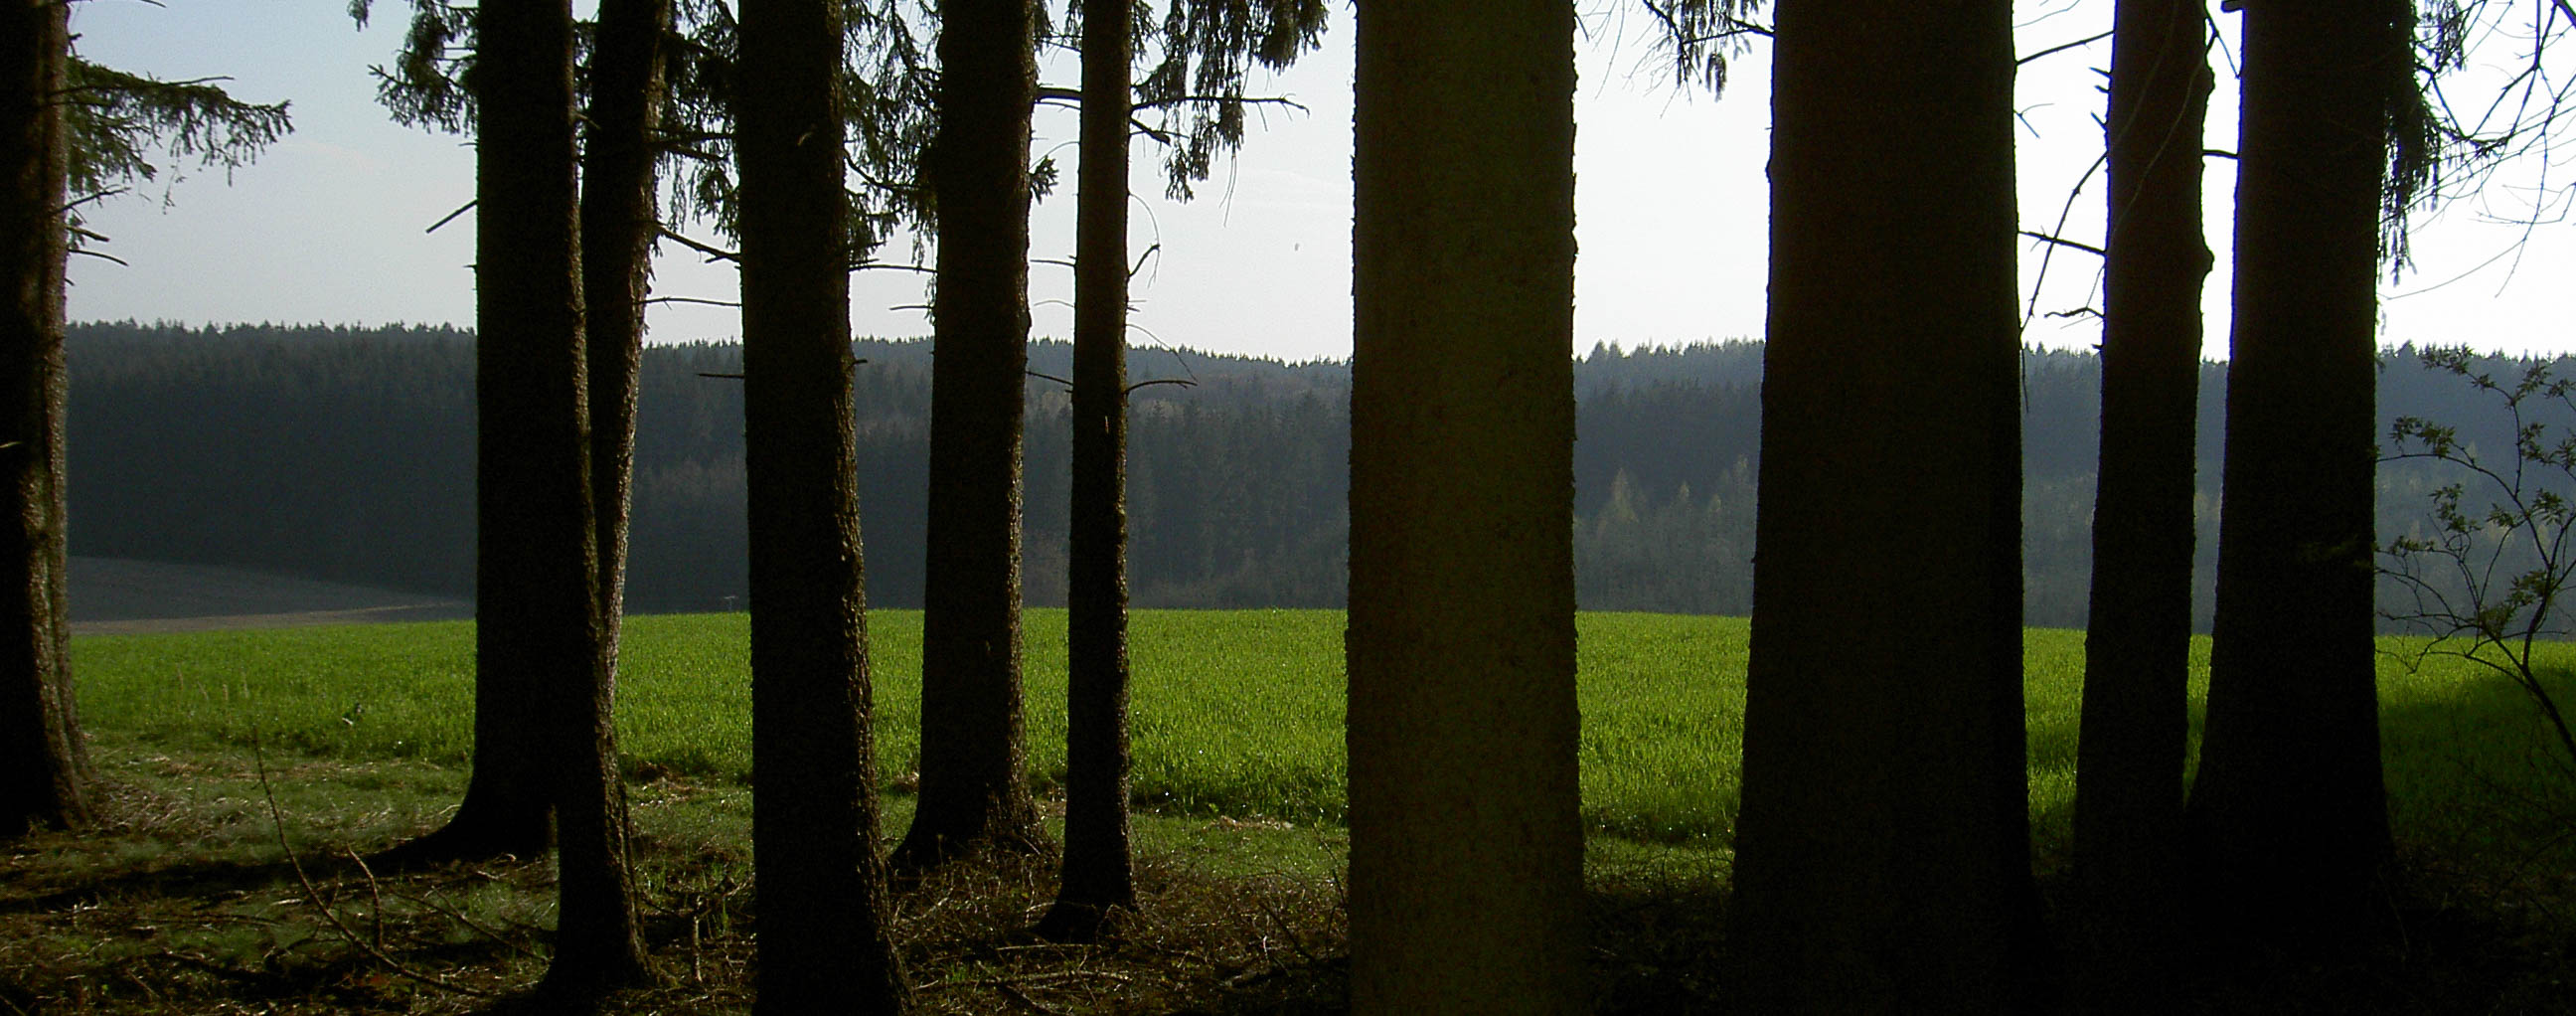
[[2490, 584]]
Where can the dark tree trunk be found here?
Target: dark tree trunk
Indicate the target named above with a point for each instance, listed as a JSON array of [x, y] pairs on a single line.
[[44, 769], [822, 900], [617, 221], [528, 317], [617, 230], [1466, 842], [537, 607], [973, 745], [1098, 872], [1883, 853], [2129, 761], [2288, 816]]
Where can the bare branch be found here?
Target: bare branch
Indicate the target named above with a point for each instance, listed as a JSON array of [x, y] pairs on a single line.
[[2064, 242], [713, 253], [2063, 47], [451, 216], [322, 904], [692, 300]]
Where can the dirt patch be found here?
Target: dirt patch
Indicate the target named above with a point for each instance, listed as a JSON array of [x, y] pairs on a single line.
[[119, 595]]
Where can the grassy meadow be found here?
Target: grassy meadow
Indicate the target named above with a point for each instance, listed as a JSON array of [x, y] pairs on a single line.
[[245, 772], [1235, 714]]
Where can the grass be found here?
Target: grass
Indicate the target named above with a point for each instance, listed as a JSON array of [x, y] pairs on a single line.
[[186, 898], [1234, 714]]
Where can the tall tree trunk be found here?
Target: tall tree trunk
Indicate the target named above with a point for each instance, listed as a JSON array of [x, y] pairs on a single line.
[[617, 230], [2129, 759], [528, 314], [973, 745], [616, 225], [537, 606], [2289, 815], [1466, 843], [823, 906], [44, 768], [1883, 853], [1098, 874]]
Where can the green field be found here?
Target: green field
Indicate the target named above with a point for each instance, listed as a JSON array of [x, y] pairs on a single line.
[[1236, 714]]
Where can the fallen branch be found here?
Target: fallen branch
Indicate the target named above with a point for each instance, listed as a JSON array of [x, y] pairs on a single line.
[[277, 819]]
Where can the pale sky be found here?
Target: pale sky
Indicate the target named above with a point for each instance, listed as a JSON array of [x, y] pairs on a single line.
[[1670, 206]]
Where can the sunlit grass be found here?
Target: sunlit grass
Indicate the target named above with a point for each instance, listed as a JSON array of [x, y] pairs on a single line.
[[1235, 714]]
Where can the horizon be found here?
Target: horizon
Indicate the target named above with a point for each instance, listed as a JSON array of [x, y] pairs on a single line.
[[2385, 348]]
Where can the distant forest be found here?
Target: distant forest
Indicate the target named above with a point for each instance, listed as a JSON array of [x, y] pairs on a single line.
[[347, 454]]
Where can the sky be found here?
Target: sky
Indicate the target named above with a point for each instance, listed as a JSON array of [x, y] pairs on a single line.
[[1671, 217]]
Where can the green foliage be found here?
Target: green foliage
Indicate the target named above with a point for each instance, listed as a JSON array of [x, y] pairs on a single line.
[[886, 85], [429, 84], [1238, 715], [118, 121], [888, 81], [1701, 34], [1195, 86], [2489, 585]]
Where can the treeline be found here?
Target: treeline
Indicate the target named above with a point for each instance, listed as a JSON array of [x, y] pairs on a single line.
[[347, 454]]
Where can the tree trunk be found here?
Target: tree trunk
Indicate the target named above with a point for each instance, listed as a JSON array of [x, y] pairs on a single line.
[[822, 899], [1883, 853], [44, 768], [2288, 816], [538, 612], [1466, 841], [1098, 874], [617, 230], [2129, 760], [527, 315], [973, 745]]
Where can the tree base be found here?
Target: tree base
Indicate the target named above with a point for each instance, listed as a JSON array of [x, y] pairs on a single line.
[[582, 985], [920, 853], [459, 841], [1073, 922]]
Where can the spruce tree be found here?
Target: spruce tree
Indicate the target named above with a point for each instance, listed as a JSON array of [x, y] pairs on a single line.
[[1466, 844], [1883, 849], [2129, 770]]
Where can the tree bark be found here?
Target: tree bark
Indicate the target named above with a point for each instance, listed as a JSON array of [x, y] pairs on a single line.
[[2288, 815], [617, 230], [1098, 873], [1882, 852], [1466, 842], [538, 613], [44, 767], [2129, 758], [823, 909], [973, 742]]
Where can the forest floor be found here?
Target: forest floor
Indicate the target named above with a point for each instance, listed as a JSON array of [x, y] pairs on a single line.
[[229, 882]]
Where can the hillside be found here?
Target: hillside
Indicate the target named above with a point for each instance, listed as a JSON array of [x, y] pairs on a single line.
[[112, 595], [346, 455]]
